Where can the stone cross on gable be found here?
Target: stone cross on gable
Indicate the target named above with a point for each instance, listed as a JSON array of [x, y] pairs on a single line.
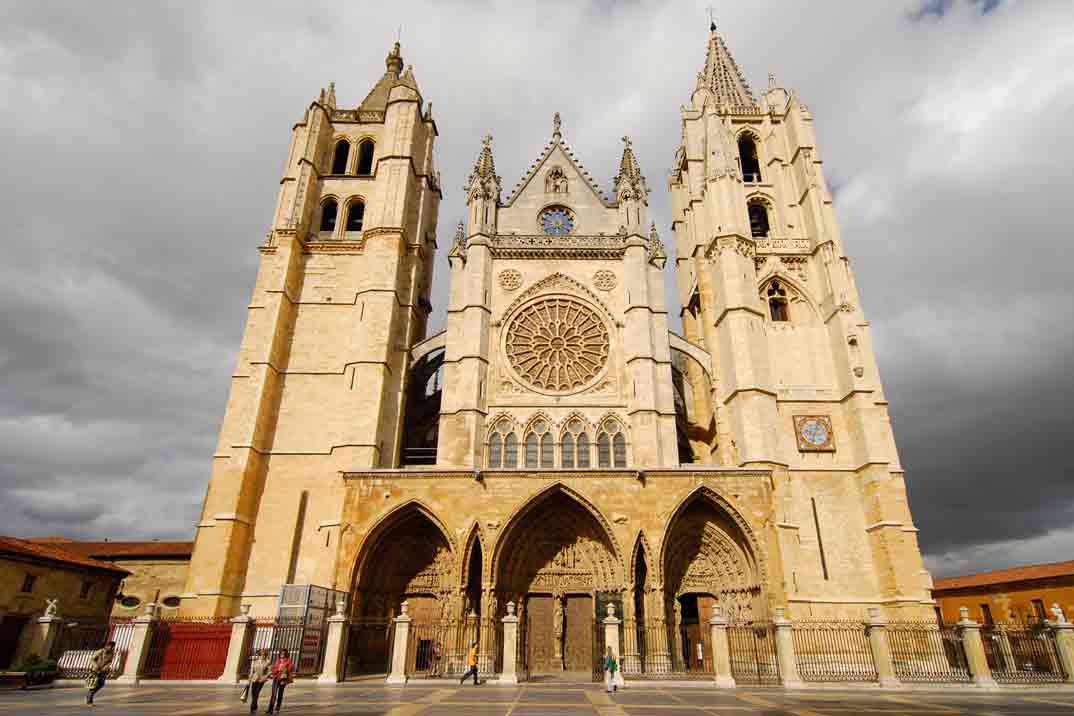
[[626, 141]]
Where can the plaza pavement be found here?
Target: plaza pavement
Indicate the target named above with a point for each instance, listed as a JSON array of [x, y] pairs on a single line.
[[309, 699]]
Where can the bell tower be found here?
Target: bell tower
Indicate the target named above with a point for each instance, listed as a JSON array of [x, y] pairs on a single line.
[[767, 290], [342, 293]]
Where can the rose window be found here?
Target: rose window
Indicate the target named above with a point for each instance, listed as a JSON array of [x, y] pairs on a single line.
[[557, 344]]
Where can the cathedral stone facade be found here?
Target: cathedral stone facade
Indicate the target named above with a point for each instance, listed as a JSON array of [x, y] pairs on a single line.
[[557, 445]]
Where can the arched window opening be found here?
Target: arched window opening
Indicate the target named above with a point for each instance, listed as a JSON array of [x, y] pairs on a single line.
[[777, 302], [619, 450], [510, 451], [604, 450], [583, 450], [329, 211], [365, 158], [531, 451], [424, 392], [496, 450], [611, 446], [758, 219], [355, 216], [575, 445], [540, 449], [340, 156], [503, 448], [747, 155]]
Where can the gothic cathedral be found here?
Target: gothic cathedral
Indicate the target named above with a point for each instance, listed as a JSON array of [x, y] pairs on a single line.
[[557, 446]]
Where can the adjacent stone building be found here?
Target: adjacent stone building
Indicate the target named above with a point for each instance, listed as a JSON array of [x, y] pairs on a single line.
[[556, 445], [31, 575], [157, 570]]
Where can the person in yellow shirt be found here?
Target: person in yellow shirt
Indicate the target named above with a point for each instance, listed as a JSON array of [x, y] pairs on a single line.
[[471, 661]]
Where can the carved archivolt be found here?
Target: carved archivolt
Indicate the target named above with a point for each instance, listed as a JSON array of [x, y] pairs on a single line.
[[558, 547], [557, 344]]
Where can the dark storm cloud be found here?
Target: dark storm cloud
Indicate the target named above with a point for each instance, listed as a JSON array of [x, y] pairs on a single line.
[[143, 143]]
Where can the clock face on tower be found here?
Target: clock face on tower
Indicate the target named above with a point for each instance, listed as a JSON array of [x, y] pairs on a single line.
[[556, 221], [814, 432]]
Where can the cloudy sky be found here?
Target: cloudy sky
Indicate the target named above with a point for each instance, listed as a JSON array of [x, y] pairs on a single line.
[[143, 146]]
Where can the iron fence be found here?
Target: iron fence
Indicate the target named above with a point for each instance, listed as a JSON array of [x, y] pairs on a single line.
[[304, 642], [652, 650], [522, 667], [833, 651], [187, 648], [1022, 653], [369, 646], [927, 652], [78, 641], [754, 661]]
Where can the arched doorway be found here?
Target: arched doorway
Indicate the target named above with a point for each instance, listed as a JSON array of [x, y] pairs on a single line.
[[407, 557], [557, 560], [707, 560]]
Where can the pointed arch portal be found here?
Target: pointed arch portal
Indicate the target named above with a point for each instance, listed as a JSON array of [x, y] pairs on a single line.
[[558, 560]]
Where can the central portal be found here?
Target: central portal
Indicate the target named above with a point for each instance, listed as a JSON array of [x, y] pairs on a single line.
[[556, 555]]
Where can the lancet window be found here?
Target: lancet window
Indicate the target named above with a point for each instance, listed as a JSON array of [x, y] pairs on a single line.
[[355, 216], [611, 445], [574, 445], [365, 158], [759, 225], [329, 212], [540, 449], [747, 156], [503, 445], [340, 155], [777, 302]]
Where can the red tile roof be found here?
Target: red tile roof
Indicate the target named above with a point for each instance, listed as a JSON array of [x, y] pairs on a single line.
[[53, 553], [1001, 576], [118, 550]]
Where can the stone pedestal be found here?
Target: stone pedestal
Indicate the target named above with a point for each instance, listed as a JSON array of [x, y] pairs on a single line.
[[970, 632], [721, 649], [141, 640], [788, 666], [611, 633], [1064, 643], [399, 647], [335, 650], [877, 628], [45, 634], [509, 675], [238, 649]]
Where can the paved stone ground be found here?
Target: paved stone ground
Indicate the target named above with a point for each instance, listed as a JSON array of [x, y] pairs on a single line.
[[538, 700]]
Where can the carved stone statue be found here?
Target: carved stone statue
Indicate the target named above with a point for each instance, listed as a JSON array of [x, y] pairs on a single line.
[[557, 618], [555, 181], [51, 607]]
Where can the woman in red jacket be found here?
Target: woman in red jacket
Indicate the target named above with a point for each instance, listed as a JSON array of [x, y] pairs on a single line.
[[283, 673]]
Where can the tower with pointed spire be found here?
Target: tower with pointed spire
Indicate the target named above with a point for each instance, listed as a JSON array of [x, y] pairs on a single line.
[[791, 384], [341, 293]]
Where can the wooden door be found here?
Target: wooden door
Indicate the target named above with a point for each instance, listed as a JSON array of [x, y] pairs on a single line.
[[705, 603], [539, 633], [10, 630], [578, 634]]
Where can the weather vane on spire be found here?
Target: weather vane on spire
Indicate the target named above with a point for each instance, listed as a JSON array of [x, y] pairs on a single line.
[[712, 18], [487, 141], [626, 141]]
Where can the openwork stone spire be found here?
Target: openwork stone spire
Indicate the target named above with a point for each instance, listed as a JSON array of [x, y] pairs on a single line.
[[484, 177], [722, 77], [629, 182]]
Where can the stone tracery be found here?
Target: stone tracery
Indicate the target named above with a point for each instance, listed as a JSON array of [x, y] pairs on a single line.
[[557, 344]]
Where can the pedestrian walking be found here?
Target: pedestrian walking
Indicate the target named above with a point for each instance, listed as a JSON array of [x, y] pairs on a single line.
[[99, 666], [283, 673], [437, 655], [471, 661], [611, 671], [260, 672]]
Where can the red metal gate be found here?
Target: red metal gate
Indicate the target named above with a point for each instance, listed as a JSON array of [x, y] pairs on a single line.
[[188, 650]]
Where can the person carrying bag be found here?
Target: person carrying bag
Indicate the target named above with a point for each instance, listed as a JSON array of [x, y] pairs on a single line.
[[260, 672], [283, 673], [611, 672]]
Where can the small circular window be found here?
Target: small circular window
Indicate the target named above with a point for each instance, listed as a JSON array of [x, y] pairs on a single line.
[[130, 602], [171, 602]]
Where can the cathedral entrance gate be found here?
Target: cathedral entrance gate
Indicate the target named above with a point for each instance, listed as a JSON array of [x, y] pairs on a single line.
[[556, 554]]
